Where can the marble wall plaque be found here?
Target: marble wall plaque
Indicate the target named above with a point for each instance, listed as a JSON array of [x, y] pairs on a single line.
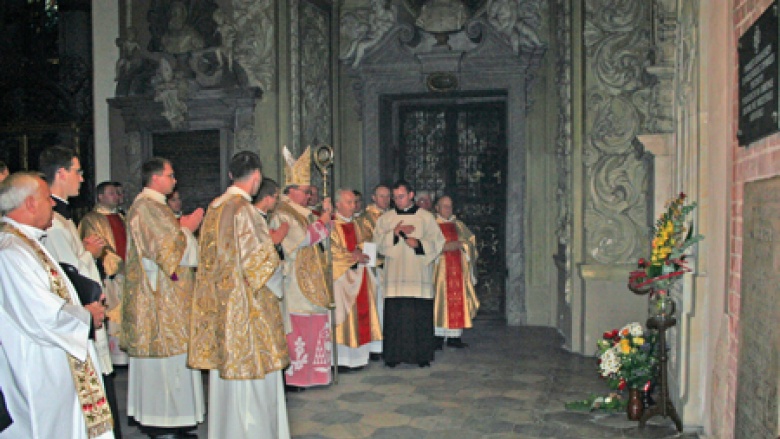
[[758, 370]]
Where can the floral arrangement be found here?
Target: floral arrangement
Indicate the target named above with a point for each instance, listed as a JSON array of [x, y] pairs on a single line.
[[672, 237], [627, 357]]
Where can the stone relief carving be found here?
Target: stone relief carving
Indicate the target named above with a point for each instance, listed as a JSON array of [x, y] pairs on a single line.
[[362, 29], [203, 43], [254, 45], [172, 90], [442, 16], [315, 78], [518, 21], [618, 47], [564, 140]]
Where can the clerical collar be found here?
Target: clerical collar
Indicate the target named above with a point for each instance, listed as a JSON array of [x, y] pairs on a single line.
[[450, 219], [231, 191], [33, 232], [408, 211], [343, 218], [153, 195], [105, 210], [62, 207], [263, 214]]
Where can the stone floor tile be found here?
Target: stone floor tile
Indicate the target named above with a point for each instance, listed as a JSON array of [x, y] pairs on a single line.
[[358, 397], [418, 410], [388, 419], [405, 432], [336, 417], [433, 423]]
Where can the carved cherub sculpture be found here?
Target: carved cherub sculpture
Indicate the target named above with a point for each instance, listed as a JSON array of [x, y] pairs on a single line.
[[381, 18], [227, 34], [129, 53]]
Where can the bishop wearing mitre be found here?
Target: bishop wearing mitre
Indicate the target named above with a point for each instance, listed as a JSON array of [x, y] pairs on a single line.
[[306, 291]]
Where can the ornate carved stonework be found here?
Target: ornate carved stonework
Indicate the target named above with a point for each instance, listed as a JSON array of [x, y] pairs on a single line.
[[618, 46], [254, 46], [483, 62], [564, 140]]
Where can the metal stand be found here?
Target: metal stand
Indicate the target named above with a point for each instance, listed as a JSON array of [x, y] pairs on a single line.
[[664, 406]]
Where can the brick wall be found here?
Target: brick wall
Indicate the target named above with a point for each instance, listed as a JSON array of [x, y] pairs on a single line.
[[758, 161]]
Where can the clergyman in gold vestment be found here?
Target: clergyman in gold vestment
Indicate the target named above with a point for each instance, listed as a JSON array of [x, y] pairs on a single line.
[[454, 274], [237, 329], [164, 396], [354, 286]]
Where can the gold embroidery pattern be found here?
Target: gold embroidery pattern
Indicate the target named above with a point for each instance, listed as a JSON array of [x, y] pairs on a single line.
[[92, 398], [236, 320], [309, 265]]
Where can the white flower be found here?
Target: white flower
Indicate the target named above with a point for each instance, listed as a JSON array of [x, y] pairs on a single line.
[[635, 329], [610, 363]]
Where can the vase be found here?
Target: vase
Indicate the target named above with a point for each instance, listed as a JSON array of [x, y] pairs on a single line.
[[634, 407], [661, 306]]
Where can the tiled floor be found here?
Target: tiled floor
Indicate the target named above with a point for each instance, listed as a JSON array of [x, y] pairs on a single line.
[[509, 383]]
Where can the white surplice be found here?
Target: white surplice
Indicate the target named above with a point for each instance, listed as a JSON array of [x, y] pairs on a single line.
[[181, 404], [37, 331], [64, 244], [238, 408]]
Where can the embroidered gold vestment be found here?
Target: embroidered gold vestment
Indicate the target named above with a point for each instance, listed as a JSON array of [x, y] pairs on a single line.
[[236, 320], [155, 313], [306, 289], [467, 295], [355, 316], [96, 223]]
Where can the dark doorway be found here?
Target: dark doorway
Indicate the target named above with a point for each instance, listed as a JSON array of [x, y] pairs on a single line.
[[197, 161], [459, 149]]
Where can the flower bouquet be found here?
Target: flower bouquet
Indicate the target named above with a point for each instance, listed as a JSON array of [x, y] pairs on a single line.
[[627, 357], [672, 237]]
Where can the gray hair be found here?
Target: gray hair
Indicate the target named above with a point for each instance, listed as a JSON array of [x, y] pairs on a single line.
[[16, 188], [337, 195], [424, 194]]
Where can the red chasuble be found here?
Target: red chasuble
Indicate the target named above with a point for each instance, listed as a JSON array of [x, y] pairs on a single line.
[[454, 273], [120, 234], [361, 303]]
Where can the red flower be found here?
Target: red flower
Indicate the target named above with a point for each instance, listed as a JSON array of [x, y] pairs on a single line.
[[622, 384]]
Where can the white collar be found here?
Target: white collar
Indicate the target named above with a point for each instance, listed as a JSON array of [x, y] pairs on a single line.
[[152, 194], [31, 232]]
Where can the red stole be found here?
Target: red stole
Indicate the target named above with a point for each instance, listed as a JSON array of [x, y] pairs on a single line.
[[361, 302], [120, 234], [454, 275]]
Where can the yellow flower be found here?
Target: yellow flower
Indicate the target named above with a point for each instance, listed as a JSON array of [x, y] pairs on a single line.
[[625, 347], [639, 341]]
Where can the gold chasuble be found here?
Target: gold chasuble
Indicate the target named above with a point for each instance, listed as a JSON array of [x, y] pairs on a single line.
[[354, 287], [236, 320], [309, 261], [456, 302], [97, 222], [156, 302]]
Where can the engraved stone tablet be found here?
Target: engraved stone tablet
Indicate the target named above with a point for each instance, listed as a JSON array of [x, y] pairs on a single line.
[[758, 370], [758, 78]]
